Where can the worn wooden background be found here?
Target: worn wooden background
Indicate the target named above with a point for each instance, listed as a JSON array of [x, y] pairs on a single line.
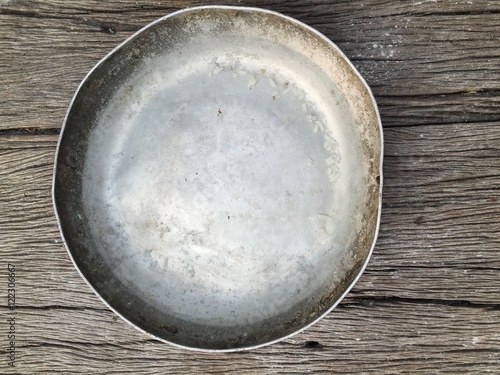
[[429, 301]]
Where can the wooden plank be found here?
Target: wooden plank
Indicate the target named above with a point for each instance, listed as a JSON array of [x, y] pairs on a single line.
[[356, 338], [432, 237], [29, 237], [388, 42]]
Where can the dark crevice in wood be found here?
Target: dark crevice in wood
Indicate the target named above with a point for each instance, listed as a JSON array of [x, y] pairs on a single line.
[[484, 119], [473, 350], [462, 179], [57, 307], [41, 165], [467, 59], [409, 121], [72, 344], [419, 126], [456, 13], [135, 9], [314, 345], [30, 131], [483, 92], [426, 266], [477, 157], [405, 12], [21, 13], [377, 300], [371, 301], [102, 26]]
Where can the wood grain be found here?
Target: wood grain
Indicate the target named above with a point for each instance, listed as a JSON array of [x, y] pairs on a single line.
[[429, 301], [413, 54], [353, 339], [430, 278]]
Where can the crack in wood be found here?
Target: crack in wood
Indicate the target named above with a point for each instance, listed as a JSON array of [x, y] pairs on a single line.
[[70, 344], [446, 94], [371, 301], [375, 300], [30, 131], [58, 307], [314, 345], [102, 26], [425, 266], [441, 124], [463, 13]]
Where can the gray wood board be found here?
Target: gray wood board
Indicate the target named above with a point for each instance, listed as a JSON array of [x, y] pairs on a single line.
[[428, 62], [429, 301]]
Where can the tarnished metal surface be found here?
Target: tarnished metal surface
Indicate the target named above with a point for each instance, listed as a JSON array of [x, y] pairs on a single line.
[[218, 178]]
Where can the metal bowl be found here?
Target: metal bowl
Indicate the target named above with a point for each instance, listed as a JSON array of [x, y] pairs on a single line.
[[218, 178]]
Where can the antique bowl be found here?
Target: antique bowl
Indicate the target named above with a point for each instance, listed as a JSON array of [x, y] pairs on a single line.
[[218, 178]]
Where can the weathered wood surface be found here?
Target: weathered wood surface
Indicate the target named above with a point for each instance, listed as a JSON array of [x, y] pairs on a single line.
[[429, 301]]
